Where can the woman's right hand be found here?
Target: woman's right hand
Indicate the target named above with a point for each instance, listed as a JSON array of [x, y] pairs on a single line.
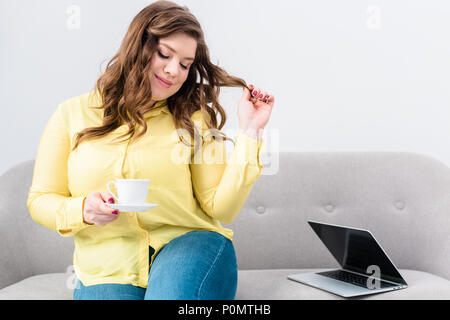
[[95, 210]]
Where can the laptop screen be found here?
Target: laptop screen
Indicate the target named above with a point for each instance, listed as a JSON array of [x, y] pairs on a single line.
[[356, 250]]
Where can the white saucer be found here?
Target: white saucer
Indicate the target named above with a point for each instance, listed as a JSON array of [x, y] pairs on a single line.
[[132, 207]]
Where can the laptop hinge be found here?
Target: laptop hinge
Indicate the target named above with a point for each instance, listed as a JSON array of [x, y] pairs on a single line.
[[371, 276]]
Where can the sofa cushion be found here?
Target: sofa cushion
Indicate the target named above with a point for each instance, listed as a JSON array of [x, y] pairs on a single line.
[[252, 285], [274, 285], [49, 286]]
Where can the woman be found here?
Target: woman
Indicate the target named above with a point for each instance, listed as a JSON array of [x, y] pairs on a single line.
[[161, 83]]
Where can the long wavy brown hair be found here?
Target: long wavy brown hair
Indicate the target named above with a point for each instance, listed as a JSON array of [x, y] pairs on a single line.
[[124, 86]]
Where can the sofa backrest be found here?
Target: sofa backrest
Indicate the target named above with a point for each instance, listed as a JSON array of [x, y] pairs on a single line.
[[402, 198]]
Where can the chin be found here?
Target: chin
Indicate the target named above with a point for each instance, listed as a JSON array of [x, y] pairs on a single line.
[[157, 96]]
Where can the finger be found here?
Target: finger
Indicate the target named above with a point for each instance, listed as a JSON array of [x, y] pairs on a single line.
[[107, 197], [246, 94], [107, 217], [104, 220], [261, 96], [268, 98], [108, 214], [271, 100], [102, 207], [255, 94]]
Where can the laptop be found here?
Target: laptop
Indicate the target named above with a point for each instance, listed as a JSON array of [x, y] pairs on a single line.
[[365, 266]]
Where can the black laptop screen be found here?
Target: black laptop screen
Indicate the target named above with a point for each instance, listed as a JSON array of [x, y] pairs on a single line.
[[356, 250]]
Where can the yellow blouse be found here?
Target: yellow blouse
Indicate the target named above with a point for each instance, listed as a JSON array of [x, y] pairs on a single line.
[[193, 192]]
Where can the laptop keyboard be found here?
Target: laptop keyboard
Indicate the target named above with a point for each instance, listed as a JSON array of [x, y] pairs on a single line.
[[353, 278]]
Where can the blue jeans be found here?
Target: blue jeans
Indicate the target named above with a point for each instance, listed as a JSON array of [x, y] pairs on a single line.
[[199, 265]]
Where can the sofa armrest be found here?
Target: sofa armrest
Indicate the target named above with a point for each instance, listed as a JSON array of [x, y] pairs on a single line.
[[13, 225], [26, 248], [431, 242]]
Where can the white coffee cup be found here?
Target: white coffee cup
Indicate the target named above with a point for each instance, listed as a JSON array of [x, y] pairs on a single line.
[[130, 191]]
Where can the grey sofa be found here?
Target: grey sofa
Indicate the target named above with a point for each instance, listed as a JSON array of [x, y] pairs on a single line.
[[404, 199]]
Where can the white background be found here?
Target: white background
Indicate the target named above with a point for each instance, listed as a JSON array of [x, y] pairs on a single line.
[[347, 75]]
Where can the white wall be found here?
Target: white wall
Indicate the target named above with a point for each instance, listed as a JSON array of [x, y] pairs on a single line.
[[348, 75]]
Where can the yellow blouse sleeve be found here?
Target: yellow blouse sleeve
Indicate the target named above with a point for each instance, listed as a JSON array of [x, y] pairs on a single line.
[[222, 186], [49, 200]]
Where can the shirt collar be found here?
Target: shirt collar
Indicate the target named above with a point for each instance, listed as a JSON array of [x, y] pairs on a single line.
[[158, 107]]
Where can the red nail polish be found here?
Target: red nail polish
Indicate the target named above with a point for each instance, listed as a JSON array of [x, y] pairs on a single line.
[[261, 96], [115, 212], [111, 200], [254, 93]]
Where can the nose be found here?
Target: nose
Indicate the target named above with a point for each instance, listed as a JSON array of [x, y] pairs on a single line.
[[171, 68]]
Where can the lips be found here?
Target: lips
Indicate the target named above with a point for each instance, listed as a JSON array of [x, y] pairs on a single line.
[[165, 83]]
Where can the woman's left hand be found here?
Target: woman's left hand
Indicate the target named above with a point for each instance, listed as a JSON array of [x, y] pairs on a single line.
[[254, 110]]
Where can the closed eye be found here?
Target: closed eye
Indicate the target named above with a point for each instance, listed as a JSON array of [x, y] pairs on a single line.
[[162, 56], [166, 57]]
